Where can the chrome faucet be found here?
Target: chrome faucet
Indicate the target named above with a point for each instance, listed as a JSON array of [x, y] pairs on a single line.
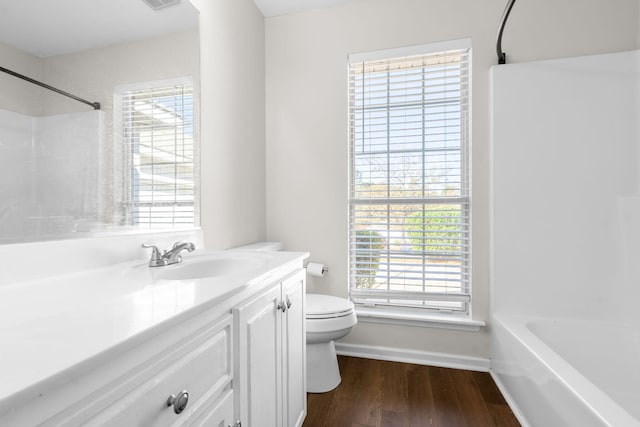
[[172, 256]]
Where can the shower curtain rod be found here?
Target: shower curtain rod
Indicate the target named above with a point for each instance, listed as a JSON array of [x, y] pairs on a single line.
[[95, 105], [502, 57]]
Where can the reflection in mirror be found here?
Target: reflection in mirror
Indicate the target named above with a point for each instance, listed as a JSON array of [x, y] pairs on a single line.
[[67, 170]]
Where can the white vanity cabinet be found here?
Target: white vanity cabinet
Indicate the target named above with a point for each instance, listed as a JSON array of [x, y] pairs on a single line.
[[134, 387], [271, 346], [235, 358]]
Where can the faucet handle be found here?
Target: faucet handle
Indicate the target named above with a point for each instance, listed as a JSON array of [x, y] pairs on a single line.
[[148, 245], [156, 256]]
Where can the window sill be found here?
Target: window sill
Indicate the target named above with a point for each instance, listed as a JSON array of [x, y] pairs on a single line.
[[459, 323]]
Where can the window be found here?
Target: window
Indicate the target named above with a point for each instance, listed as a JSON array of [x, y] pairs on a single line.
[[159, 155], [409, 201]]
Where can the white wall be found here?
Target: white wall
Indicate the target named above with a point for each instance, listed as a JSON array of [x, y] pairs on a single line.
[[306, 84], [233, 126], [15, 94], [94, 74]]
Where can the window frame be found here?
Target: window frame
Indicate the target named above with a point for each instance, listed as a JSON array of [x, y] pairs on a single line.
[[123, 159], [398, 313]]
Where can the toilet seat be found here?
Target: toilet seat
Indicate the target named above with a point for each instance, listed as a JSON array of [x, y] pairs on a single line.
[[327, 307]]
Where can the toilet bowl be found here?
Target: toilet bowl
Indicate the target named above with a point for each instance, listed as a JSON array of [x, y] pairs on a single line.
[[328, 318]]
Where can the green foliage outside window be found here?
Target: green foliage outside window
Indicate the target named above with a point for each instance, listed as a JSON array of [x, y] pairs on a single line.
[[435, 230], [369, 243]]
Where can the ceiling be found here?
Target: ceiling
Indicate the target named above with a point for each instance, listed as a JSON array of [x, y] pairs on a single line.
[[47, 28], [54, 27], [282, 7]]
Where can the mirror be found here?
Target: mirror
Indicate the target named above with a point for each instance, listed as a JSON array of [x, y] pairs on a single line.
[[68, 170]]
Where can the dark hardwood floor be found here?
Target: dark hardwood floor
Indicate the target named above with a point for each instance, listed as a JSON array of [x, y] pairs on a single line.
[[376, 393]]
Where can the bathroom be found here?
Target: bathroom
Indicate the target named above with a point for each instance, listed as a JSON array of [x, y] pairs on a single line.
[[273, 97]]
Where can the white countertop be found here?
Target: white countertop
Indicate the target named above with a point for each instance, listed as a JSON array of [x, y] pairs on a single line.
[[51, 324]]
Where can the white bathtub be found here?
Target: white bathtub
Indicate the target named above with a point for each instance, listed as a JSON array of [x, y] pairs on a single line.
[[566, 372]]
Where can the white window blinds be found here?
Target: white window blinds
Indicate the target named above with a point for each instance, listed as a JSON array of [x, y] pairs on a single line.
[[409, 228], [159, 156]]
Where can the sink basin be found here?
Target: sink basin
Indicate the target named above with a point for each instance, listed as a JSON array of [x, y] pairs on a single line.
[[210, 266]]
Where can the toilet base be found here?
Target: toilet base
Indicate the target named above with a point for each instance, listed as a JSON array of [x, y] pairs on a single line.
[[323, 373]]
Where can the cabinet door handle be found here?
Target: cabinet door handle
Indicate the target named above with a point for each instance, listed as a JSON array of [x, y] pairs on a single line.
[[179, 402], [236, 424], [288, 303], [282, 307]]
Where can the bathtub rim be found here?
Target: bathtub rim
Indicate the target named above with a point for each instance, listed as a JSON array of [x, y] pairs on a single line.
[[599, 403]]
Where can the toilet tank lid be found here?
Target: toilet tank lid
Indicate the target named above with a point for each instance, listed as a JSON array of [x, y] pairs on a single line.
[[326, 304], [261, 246]]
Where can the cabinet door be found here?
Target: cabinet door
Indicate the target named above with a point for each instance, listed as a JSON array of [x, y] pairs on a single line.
[[259, 370], [294, 347]]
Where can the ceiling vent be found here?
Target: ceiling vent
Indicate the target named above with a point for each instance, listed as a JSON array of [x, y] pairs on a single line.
[[161, 4]]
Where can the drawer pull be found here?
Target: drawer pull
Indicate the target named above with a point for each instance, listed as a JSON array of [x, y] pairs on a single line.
[[179, 402]]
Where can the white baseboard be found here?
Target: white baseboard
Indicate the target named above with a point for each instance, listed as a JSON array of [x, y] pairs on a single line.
[[442, 360]]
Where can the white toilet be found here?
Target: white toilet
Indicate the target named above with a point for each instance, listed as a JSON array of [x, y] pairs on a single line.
[[328, 318]]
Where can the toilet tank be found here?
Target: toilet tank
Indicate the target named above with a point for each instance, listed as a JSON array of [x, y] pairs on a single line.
[[261, 246]]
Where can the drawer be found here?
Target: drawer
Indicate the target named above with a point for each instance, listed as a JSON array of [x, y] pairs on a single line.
[[217, 414], [200, 365]]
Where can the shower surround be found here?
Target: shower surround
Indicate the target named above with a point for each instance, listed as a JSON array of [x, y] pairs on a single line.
[[48, 175], [565, 233]]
